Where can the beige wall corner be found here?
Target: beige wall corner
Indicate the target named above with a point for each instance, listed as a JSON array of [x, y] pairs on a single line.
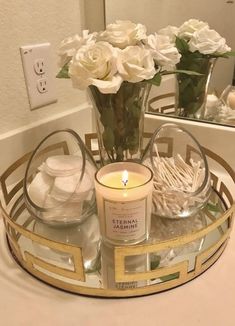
[[15, 143], [31, 22], [94, 11]]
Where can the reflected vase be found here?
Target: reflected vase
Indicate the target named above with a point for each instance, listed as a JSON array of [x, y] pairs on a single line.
[[192, 90], [120, 121]]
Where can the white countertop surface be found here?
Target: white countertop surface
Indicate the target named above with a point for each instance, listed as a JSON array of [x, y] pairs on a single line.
[[209, 300]]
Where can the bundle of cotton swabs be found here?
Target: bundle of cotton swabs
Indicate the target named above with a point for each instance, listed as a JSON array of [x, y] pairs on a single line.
[[175, 182]]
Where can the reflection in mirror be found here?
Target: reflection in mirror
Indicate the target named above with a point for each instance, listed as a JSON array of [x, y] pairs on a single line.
[[158, 14], [99, 258]]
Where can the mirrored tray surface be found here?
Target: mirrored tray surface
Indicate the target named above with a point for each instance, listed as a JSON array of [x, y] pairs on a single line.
[[180, 243]]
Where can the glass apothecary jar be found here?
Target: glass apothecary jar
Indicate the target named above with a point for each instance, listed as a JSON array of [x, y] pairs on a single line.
[[59, 180], [181, 174]]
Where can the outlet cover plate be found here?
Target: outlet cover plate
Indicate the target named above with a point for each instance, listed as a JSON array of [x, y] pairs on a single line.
[[30, 54]]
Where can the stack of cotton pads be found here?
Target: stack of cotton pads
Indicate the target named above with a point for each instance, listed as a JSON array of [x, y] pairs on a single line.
[[62, 189]]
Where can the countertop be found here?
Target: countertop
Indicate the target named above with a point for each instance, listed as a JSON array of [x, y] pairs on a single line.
[[208, 300]]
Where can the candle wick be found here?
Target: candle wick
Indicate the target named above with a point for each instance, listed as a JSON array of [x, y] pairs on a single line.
[[124, 182], [125, 177]]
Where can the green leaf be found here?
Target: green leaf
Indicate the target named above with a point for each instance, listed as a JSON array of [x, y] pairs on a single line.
[[155, 261], [180, 71], [135, 111], [169, 277], [64, 72], [219, 55], [132, 141], [107, 118], [184, 84], [156, 80], [108, 139], [213, 208], [120, 155], [181, 45], [229, 54], [199, 89]]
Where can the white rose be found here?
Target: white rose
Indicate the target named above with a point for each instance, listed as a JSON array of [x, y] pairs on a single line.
[[189, 27], [95, 64], [163, 51], [208, 41], [70, 45], [135, 64], [170, 31], [123, 33]]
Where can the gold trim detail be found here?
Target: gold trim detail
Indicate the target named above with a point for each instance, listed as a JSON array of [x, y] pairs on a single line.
[[122, 252], [8, 195], [30, 261], [166, 109], [74, 278]]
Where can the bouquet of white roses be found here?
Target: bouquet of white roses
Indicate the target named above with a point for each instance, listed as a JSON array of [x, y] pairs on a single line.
[[115, 65], [199, 46], [122, 52]]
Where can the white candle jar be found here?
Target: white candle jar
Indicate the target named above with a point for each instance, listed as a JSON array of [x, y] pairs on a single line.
[[124, 208]]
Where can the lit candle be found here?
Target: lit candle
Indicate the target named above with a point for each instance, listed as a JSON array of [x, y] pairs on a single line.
[[124, 200], [231, 100]]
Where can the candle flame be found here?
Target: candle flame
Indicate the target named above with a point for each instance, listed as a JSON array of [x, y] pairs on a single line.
[[125, 177]]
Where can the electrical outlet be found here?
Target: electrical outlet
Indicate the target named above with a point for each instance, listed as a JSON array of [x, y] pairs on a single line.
[[39, 79], [39, 66], [42, 85]]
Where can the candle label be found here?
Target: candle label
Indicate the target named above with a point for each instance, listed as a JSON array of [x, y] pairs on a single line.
[[108, 277], [125, 220]]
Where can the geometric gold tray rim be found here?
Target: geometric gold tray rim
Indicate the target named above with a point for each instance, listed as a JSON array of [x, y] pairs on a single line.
[[30, 262], [202, 262]]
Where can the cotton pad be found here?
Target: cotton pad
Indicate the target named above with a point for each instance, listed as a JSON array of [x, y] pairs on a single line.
[[39, 188], [62, 165], [71, 188]]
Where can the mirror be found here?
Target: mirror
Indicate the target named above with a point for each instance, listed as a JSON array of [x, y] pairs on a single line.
[[157, 14], [54, 263]]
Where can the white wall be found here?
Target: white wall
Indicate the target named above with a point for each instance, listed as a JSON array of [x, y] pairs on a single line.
[[94, 15], [156, 14], [29, 22]]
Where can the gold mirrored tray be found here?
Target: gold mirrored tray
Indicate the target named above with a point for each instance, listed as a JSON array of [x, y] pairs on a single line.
[[74, 259]]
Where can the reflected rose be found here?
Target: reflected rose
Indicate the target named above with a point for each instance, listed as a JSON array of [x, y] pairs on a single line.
[[123, 33], [208, 41]]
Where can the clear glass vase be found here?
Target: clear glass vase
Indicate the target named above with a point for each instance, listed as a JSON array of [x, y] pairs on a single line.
[[120, 121], [191, 90]]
